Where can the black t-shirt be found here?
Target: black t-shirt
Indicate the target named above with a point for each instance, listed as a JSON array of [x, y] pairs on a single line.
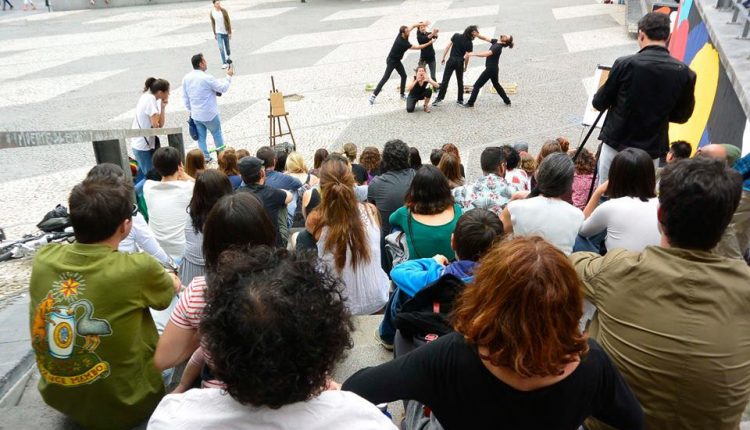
[[273, 199], [494, 59], [360, 173], [400, 46], [427, 53], [448, 376], [461, 45], [418, 91]]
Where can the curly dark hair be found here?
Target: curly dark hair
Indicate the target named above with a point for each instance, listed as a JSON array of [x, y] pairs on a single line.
[[275, 325], [395, 156]]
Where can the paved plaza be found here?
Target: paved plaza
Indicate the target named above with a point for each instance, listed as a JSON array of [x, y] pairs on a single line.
[[85, 70]]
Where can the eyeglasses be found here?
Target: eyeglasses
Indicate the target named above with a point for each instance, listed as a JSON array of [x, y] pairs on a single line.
[[134, 212]]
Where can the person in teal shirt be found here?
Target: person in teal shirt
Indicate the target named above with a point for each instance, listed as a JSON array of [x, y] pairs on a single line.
[[429, 215]]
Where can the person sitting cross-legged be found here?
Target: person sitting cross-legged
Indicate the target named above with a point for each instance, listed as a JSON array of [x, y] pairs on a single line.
[[674, 317], [91, 331], [476, 231], [275, 326], [517, 359]]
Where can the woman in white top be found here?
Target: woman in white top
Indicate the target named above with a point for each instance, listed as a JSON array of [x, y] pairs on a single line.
[[348, 237], [629, 217], [546, 214], [149, 113]]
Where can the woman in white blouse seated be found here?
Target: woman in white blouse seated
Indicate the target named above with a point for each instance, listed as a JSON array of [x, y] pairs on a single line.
[[544, 212], [629, 216]]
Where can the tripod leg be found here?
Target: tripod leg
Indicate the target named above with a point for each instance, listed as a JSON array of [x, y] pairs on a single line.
[[596, 172]]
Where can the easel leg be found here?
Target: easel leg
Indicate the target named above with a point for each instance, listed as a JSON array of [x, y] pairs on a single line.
[[290, 131]]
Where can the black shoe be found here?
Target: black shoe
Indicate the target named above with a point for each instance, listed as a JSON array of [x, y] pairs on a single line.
[[461, 102], [468, 105], [403, 96], [507, 102], [437, 102]]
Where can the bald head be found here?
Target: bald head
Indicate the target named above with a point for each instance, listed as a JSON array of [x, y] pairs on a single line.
[[715, 151]]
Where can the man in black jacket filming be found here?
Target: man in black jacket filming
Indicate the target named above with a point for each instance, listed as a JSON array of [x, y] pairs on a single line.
[[644, 93]]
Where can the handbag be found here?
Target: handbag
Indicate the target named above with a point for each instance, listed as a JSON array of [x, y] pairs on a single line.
[[157, 142], [192, 128]]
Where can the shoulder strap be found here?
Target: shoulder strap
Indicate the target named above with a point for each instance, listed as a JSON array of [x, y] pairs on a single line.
[[148, 144], [411, 233]]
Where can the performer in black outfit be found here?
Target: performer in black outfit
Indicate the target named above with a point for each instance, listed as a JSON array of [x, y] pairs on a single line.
[[490, 68], [427, 55], [419, 89], [393, 62], [458, 47]]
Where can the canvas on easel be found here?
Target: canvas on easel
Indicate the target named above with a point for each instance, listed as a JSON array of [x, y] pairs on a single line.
[[276, 112]]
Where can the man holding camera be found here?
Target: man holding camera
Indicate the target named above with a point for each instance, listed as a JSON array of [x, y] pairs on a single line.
[[644, 93], [200, 91]]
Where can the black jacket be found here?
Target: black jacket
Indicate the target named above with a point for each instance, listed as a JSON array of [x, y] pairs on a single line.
[[644, 93]]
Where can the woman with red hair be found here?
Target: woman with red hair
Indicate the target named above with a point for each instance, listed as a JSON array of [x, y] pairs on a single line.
[[517, 358]]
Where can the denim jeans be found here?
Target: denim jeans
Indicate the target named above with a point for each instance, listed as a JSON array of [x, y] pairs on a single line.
[[214, 126], [223, 41], [144, 160], [387, 329]]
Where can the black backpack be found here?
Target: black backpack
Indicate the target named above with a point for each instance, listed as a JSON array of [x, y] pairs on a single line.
[[428, 311]]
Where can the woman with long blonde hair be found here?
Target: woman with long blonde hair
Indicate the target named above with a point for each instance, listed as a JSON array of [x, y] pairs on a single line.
[[348, 237]]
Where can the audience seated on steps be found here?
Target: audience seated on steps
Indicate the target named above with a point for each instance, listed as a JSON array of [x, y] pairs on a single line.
[[491, 191], [274, 200], [91, 331], [347, 233], [517, 358], [514, 174], [210, 186], [167, 201], [583, 177], [628, 218], [476, 231], [674, 318], [370, 159], [235, 220], [547, 214], [275, 326], [228, 164]]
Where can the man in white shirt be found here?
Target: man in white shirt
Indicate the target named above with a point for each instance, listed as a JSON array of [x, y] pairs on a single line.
[[199, 92], [222, 28]]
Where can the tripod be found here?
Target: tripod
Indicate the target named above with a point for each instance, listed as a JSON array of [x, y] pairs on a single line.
[[598, 153]]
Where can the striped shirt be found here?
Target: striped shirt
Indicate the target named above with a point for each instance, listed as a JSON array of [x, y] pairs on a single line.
[[187, 314]]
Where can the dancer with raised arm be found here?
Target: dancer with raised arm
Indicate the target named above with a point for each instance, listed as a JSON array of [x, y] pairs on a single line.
[[490, 68], [419, 89], [393, 62], [427, 55], [459, 45]]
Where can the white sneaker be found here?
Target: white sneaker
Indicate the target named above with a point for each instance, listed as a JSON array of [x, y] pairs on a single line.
[[224, 66], [372, 99]]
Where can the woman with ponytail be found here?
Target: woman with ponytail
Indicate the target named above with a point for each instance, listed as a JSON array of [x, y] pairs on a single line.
[[348, 236], [149, 113]]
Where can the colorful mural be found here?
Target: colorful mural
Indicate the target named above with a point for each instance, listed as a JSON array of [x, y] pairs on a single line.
[[718, 115]]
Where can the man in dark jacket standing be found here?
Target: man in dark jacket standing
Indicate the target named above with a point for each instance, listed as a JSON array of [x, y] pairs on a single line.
[[644, 93]]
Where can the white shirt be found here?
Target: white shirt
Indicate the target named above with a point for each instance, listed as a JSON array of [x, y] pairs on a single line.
[[556, 221], [141, 238], [211, 408], [199, 89], [218, 21], [167, 204], [630, 223], [147, 107]]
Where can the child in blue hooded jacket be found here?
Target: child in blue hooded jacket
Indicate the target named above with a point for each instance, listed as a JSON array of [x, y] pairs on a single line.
[[476, 231]]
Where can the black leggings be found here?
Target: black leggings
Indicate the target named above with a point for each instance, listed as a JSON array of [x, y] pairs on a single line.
[[489, 74], [411, 101], [452, 65], [391, 66], [432, 65]]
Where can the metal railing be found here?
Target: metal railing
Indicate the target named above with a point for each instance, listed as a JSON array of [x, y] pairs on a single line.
[[739, 13], [110, 146]]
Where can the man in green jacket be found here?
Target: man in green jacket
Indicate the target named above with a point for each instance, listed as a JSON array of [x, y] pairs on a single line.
[[674, 318]]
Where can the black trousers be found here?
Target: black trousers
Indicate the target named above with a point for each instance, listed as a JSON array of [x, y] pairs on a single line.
[[489, 74], [453, 65], [390, 67], [411, 101], [432, 65]]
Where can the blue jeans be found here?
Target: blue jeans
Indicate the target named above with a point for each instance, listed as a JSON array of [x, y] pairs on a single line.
[[144, 160], [593, 243], [387, 329], [223, 41], [214, 126]]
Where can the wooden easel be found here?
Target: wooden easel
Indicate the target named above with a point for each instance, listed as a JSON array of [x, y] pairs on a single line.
[[277, 111]]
